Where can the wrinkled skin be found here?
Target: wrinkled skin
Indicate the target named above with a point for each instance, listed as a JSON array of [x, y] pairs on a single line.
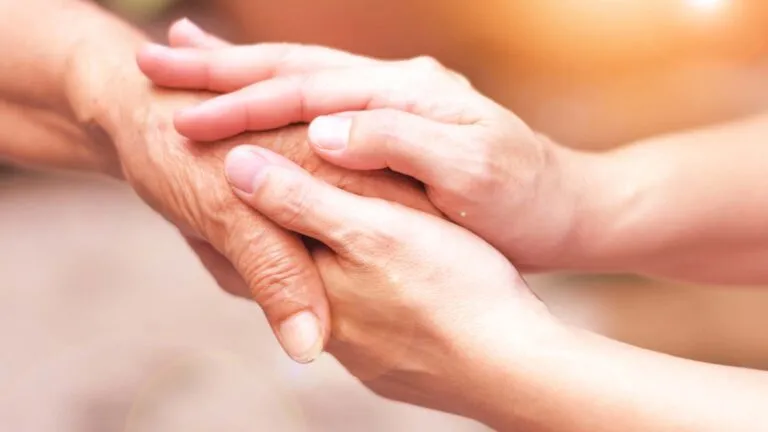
[[247, 254], [482, 166], [185, 182], [399, 282]]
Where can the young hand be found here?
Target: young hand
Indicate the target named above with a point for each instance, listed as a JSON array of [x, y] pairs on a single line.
[[419, 305], [482, 166]]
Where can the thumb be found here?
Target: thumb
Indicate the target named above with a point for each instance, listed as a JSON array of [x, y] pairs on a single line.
[[277, 272], [403, 142], [349, 224], [219, 267]]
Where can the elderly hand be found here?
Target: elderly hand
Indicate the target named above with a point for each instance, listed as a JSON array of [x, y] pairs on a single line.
[[247, 254], [482, 166], [418, 302]]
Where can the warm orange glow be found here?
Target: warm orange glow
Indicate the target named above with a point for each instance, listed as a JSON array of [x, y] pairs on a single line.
[[707, 5]]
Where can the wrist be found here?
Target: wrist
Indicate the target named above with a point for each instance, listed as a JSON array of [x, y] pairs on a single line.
[[104, 87], [616, 200], [567, 194], [498, 361], [594, 196]]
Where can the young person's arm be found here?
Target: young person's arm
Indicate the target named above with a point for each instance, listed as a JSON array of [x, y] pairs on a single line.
[[690, 206], [577, 381]]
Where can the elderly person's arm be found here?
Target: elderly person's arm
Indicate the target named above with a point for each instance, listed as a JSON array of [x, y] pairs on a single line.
[[38, 124], [71, 81]]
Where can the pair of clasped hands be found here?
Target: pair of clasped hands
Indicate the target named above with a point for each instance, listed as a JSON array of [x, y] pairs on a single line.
[[417, 301]]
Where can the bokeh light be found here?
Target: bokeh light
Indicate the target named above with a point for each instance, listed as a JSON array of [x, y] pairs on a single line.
[[707, 5]]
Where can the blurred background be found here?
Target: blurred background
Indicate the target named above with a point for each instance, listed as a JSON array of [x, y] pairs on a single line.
[[111, 324]]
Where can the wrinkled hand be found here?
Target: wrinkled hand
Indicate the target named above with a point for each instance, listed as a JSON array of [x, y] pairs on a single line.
[[416, 299], [482, 166], [247, 254]]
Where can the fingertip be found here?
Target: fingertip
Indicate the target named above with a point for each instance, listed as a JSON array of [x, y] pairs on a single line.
[[184, 122], [302, 337], [150, 57], [185, 33], [206, 122]]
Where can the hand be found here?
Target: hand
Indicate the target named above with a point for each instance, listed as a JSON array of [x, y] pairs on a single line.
[[417, 301], [247, 254], [482, 166]]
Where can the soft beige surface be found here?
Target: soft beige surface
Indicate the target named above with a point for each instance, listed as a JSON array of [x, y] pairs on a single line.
[[108, 323]]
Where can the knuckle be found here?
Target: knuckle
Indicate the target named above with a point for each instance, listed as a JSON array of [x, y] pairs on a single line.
[[482, 174], [426, 71], [432, 70], [302, 85], [289, 142], [294, 199], [380, 129], [354, 238], [271, 273], [461, 79], [427, 64], [373, 245], [344, 330], [285, 55], [277, 282]]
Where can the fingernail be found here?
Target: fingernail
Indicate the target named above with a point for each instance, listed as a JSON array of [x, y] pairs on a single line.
[[330, 132], [243, 168], [301, 337]]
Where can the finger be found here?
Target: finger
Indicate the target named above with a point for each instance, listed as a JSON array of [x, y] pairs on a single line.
[[293, 99], [231, 68], [220, 268], [296, 201], [369, 140], [186, 34], [280, 276]]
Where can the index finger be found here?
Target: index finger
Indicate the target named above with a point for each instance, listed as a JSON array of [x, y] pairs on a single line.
[[293, 99], [186, 34], [229, 68]]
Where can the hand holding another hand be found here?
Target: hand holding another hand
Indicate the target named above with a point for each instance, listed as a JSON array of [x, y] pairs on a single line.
[[482, 167], [184, 182], [423, 311], [416, 300]]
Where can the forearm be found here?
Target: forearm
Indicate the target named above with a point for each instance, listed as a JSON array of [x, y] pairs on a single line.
[[42, 34], [47, 86], [45, 139], [690, 206], [579, 381]]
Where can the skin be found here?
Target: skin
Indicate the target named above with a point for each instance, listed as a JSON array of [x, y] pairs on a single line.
[[82, 94], [486, 151], [553, 377], [83, 104], [398, 280], [660, 207]]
